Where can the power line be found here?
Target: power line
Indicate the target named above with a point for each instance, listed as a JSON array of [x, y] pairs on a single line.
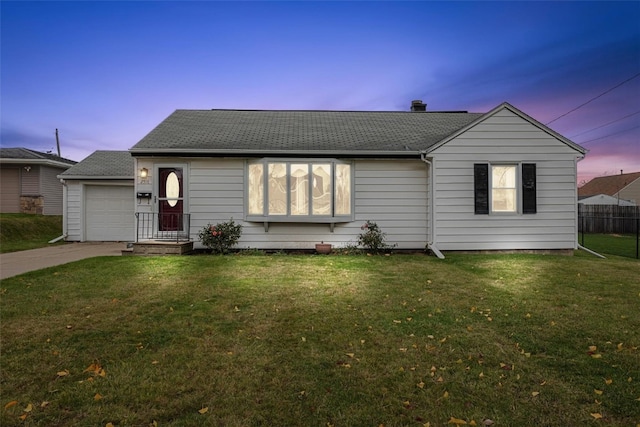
[[593, 99], [607, 124], [611, 134]]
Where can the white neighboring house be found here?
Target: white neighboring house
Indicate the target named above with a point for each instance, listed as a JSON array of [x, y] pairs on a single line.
[[447, 180], [604, 199], [99, 202]]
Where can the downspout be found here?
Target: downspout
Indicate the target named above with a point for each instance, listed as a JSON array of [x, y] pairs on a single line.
[[64, 212], [430, 244]]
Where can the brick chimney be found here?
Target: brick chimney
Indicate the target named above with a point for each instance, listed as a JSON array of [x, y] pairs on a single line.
[[418, 105]]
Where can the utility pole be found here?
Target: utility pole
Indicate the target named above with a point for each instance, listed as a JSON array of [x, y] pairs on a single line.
[[58, 142]]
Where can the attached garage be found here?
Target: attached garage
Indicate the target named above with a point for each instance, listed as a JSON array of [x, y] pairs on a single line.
[[109, 213], [99, 201]]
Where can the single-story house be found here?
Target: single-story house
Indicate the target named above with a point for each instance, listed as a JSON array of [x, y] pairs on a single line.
[[604, 199], [99, 198], [444, 180], [622, 189], [29, 183]]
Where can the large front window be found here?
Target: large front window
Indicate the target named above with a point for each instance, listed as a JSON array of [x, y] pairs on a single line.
[[280, 190]]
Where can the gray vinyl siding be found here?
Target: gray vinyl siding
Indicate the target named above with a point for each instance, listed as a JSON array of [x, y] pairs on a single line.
[[30, 182], [507, 138], [51, 190], [392, 193]]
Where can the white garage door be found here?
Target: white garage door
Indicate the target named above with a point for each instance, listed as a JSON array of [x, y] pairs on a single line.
[[109, 213]]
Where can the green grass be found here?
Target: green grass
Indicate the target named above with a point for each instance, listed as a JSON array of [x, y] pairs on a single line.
[[403, 340], [610, 244], [19, 232]]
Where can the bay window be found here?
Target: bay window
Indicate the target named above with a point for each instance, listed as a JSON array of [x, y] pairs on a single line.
[[299, 190]]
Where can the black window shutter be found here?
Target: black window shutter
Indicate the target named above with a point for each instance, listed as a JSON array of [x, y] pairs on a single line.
[[528, 188], [481, 188]]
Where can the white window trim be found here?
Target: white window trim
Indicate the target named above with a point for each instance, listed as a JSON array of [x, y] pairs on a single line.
[[321, 219], [518, 189]]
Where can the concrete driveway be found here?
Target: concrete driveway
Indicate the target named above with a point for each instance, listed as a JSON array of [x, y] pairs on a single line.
[[14, 263]]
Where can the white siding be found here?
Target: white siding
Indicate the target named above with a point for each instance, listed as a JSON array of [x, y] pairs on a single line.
[[73, 218], [505, 137], [392, 193]]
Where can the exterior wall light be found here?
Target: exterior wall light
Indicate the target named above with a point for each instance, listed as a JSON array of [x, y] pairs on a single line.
[[144, 173]]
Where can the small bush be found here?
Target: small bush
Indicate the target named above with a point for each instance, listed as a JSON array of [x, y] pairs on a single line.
[[373, 239], [220, 238]]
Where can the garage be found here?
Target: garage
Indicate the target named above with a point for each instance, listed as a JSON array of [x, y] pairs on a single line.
[[109, 213]]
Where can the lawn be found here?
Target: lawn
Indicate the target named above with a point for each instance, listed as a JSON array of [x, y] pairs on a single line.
[[19, 232], [610, 244], [284, 340]]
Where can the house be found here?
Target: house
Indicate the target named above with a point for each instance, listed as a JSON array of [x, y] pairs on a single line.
[[451, 181], [603, 199], [99, 198], [29, 183], [622, 189]]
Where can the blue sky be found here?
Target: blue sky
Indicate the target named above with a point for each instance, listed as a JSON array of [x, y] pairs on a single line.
[[106, 73]]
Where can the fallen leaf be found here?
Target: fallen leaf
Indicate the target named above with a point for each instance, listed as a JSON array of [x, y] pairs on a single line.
[[488, 422], [351, 355], [472, 423], [420, 384], [592, 348], [596, 356], [63, 373], [596, 415], [10, 404], [535, 393], [608, 381], [204, 410], [98, 396], [44, 404], [457, 421], [598, 392], [109, 425], [29, 408], [446, 395], [23, 416]]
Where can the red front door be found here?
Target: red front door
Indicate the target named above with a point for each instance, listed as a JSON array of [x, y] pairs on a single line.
[[170, 199]]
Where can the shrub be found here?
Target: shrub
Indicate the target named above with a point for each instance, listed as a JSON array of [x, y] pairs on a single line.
[[220, 238], [373, 239]]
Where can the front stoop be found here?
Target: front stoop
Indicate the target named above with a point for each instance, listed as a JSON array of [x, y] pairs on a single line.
[[162, 248]]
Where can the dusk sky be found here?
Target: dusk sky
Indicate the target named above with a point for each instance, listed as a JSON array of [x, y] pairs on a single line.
[[106, 73]]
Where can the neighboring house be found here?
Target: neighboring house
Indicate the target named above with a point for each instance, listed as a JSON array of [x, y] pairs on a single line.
[[603, 199], [29, 183], [621, 188], [99, 199], [447, 180]]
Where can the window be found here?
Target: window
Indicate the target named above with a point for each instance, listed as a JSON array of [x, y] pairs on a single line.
[[503, 188], [313, 191], [496, 188]]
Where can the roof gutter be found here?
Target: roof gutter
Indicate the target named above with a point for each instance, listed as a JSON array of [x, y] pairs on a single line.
[[284, 153], [45, 162], [430, 244]]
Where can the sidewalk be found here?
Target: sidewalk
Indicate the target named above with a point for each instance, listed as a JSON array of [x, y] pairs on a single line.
[[14, 263]]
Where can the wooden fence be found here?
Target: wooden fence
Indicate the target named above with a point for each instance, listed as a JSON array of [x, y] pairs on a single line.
[[609, 219]]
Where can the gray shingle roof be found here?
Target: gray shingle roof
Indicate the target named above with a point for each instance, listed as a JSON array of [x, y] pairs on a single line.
[[318, 132], [19, 153], [103, 164]]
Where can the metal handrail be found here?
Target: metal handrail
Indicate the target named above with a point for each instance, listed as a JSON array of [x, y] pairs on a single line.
[[162, 226]]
